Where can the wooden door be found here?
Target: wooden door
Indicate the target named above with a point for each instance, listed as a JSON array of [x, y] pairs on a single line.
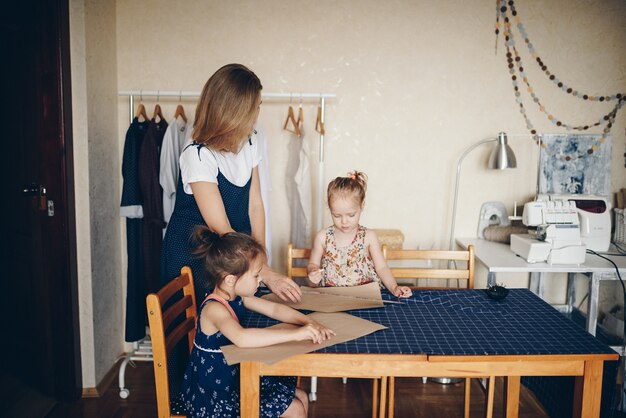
[[39, 328]]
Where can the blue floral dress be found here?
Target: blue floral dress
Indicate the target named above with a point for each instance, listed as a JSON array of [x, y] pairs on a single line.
[[211, 387]]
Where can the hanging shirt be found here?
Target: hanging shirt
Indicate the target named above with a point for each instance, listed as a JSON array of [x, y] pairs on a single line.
[[266, 188], [131, 205], [298, 188], [178, 133]]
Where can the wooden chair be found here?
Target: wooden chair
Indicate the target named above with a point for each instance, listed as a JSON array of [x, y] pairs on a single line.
[[451, 272], [295, 258], [422, 273], [167, 330]]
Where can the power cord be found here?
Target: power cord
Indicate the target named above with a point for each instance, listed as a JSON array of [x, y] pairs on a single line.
[[619, 276]]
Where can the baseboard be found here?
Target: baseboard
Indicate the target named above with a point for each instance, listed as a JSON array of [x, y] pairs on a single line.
[[104, 384]]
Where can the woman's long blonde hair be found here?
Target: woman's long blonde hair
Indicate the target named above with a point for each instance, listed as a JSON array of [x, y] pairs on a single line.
[[227, 108]]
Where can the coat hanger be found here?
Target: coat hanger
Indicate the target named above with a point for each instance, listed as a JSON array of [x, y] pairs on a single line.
[[180, 110], [157, 110], [141, 112], [291, 118], [300, 120], [319, 125], [141, 109]]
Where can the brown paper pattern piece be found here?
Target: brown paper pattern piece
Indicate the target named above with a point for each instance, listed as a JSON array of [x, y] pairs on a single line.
[[347, 327]]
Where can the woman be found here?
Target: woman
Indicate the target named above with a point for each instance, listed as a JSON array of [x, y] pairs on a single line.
[[219, 183]]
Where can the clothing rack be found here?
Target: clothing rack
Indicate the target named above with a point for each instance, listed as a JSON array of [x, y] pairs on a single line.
[[142, 349], [322, 97]]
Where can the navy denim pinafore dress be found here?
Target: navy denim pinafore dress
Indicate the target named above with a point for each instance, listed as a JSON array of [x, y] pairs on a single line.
[[177, 244]]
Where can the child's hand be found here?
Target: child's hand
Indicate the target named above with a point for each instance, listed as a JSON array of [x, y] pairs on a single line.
[[315, 275], [402, 292], [326, 333], [314, 332]]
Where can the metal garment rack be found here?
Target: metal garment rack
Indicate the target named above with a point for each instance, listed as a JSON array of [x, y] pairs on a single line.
[[142, 349]]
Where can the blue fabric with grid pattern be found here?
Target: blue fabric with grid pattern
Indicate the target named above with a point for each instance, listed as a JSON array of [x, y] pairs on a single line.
[[466, 322]]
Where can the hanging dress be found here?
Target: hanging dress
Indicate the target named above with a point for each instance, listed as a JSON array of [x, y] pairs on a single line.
[[210, 387], [131, 209], [350, 265], [152, 196]]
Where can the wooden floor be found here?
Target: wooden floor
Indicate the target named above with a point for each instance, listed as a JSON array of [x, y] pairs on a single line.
[[352, 400]]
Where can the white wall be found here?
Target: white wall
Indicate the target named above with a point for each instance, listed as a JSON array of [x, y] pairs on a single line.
[[416, 81]]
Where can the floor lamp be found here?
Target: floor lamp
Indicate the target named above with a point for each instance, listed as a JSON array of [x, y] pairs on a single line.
[[501, 157]]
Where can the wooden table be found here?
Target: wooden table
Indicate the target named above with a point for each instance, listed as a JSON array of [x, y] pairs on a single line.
[[455, 333]]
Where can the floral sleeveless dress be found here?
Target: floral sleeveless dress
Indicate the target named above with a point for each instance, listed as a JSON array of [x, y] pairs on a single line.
[[211, 387], [350, 265]]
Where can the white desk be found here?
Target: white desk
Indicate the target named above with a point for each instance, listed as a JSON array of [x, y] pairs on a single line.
[[498, 258]]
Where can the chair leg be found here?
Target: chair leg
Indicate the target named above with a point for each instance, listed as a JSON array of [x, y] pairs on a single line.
[[466, 404], [383, 396], [491, 389], [375, 397], [313, 392], [344, 380], [391, 381]]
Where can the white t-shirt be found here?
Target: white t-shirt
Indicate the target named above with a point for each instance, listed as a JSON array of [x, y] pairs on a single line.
[[237, 168]]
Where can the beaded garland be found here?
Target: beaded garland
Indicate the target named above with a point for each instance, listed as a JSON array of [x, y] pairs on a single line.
[[514, 63]]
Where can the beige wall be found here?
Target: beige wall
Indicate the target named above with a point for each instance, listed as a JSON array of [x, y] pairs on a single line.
[[97, 170], [417, 82]]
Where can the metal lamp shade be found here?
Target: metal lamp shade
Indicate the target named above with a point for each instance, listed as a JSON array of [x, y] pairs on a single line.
[[502, 156]]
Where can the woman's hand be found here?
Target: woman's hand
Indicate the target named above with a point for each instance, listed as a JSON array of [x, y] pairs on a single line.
[[402, 292], [283, 286]]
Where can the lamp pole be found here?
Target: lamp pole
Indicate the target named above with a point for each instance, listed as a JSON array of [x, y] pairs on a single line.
[[501, 157], [456, 185]]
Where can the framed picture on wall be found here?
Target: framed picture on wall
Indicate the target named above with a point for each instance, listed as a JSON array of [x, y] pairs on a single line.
[[575, 164]]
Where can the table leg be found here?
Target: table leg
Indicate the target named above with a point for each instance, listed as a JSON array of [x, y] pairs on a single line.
[[511, 396], [588, 391], [592, 303], [250, 389]]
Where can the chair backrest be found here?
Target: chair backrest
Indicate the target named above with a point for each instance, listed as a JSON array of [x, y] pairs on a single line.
[[466, 272], [293, 255], [167, 330]]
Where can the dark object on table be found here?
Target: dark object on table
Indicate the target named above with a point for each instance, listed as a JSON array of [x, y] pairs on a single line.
[[497, 292]]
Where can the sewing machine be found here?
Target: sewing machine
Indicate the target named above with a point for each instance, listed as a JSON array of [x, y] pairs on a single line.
[[594, 215], [557, 239]]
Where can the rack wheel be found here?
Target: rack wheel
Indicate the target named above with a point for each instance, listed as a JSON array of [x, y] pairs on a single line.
[[124, 393]]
